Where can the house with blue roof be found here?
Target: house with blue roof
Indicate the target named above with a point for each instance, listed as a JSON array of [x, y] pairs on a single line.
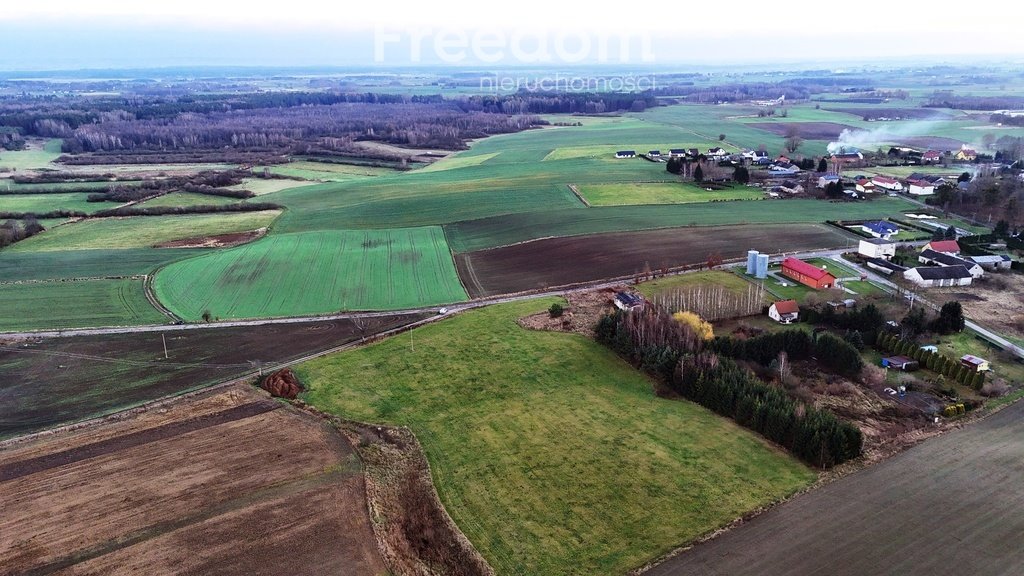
[[880, 229]]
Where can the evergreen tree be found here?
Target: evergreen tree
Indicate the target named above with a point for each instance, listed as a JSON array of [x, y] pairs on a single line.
[[822, 165], [741, 175], [698, 174]]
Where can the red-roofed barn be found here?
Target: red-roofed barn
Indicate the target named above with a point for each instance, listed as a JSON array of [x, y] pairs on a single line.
[[807, 274]]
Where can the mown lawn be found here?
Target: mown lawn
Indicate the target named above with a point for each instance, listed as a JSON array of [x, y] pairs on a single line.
[[661, 193], [82, 304], [141, 231], [550, 453]]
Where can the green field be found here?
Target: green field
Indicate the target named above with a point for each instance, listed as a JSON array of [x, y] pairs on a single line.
[[325, 171], [551, 454], [41, 203], [315, 273], [187, 199], [728, 280], [661, 193], [39, 156], [81, 304], [512, 228], [458, 161], [16, 266], [141, 231], [261, 186]]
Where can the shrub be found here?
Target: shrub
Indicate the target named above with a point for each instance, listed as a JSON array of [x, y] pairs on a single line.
[[556, 310]]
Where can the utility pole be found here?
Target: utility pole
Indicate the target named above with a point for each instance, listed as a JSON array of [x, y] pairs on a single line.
[[163, 337]]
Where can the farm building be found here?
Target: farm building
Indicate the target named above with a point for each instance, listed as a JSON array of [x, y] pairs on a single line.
[[626, 154], [807, 274], [864, 185], [887, 183], [784, 168], [931, 157], [900, 363], [841, 304], [880, 229], [827, 179], [920, 188], [784, 311], [877, 248], [944, 246], [975, 363], [933, 179], [932, 257], [628, 301], [996, 262], [929, 276], [884, 266]]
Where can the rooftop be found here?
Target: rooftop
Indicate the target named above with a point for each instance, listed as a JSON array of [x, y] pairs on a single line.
[[806, 269], [942, 272]]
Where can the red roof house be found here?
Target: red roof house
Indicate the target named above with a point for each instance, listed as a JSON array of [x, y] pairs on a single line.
[[944, 246], [807, 274]]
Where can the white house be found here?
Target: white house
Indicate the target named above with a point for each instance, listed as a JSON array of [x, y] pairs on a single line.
[[887, 183], [928, 276], [931, 257], [920, 187], [626, 154], [863, 185], [717, 153], [877, 248], [825, 180], [784, 311]]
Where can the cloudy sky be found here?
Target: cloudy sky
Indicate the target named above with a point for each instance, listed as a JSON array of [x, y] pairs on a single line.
[[47, 34]]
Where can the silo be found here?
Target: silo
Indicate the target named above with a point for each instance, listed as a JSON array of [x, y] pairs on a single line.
[[761, 266], [751, 261]]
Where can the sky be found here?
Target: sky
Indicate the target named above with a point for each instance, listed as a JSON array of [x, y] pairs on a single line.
[[63, 34]]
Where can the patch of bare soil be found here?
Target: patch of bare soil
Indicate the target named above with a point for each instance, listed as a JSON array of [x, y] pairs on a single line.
[[996, 301], [227, 483], [217, 241], [581, 316], [414, 532], [282, 384]]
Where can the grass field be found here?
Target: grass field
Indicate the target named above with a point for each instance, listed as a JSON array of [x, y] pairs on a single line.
[[39, 155], [552, 455], [315, 273], [731, 281], [187, 199], [915, 514], [326, 172], [261, 186], [509, 229], [51, 265], [141, 231], [40, 203], [458, 161], [75, 305], [661, 193]]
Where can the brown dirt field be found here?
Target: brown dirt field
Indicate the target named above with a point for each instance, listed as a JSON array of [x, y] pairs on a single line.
[[950, 505], [57, 381], [230, 483], [995, 302], [217, 241], [805, 130], [931, 142], [572, 260]]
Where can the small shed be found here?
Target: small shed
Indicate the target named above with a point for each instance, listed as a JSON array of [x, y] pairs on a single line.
[[900, 363], [975, 363]]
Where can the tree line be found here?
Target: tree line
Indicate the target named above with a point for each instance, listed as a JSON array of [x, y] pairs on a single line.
[[709, 375]]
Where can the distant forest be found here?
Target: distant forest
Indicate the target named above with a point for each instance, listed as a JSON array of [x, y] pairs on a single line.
[[160, 129]]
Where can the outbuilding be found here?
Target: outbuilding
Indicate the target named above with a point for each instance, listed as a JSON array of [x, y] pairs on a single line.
[[877, 248], [929, 276], [975, 363], [806, 274], [994, 262], [900, 363]]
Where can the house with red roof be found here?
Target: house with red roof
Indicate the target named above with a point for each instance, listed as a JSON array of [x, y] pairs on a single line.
[[931, 157], [943, 246], [887, 183], [784, 311], [807, 274]]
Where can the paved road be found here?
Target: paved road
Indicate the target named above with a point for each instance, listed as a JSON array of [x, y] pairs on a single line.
[[952, 505]]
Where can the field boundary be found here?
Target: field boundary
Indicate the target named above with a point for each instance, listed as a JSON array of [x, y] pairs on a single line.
[[576, 192]]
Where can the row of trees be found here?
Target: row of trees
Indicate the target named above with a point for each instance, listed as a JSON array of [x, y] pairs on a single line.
[[831, 351], [939, 363], [12, 231], [701, 371]]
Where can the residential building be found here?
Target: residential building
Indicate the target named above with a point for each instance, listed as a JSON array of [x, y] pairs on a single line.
[[784, 311], [877, 248]]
